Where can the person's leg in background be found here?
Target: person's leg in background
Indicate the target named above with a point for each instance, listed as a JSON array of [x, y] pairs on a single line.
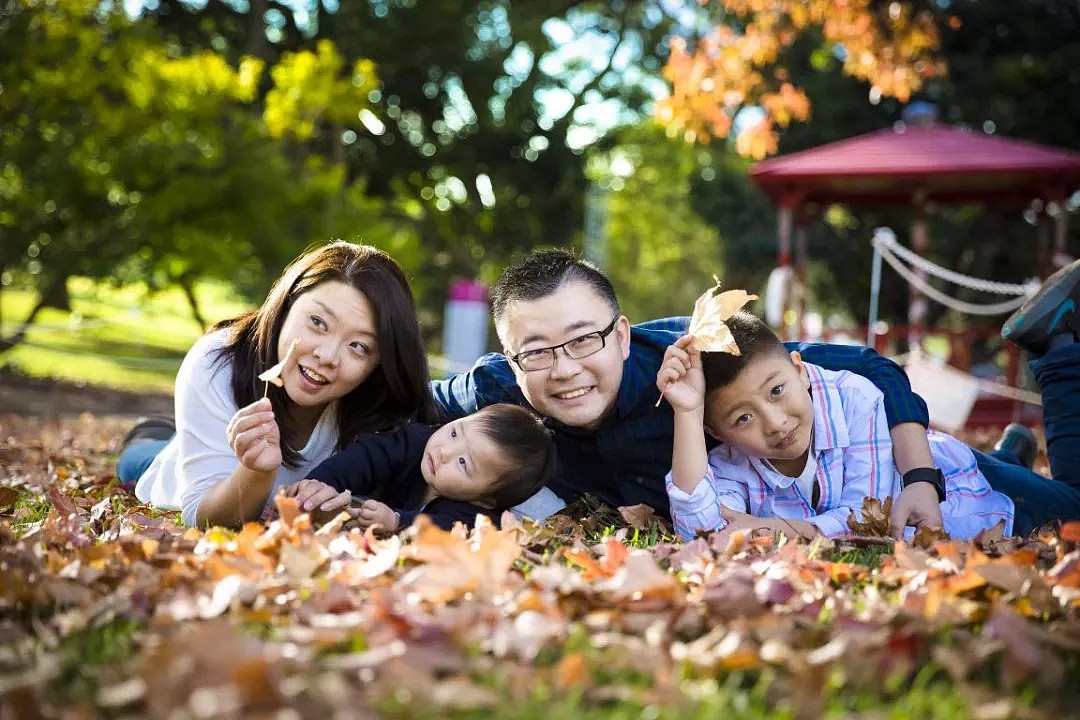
[[1047, 327], [1038, 500], [140, 446], [135, 458], [1058, 375]]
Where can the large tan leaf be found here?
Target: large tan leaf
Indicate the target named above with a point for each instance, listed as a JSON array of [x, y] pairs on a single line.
[[708, 324]]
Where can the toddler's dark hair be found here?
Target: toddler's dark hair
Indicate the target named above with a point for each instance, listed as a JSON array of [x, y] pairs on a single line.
[[755, 340], [529, 452]]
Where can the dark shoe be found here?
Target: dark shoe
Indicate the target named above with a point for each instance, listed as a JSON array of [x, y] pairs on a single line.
[[1051, 311], [1020, 441], [158, 427]]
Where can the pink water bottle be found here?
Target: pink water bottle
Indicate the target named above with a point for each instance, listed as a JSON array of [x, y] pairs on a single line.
[[465, 324]]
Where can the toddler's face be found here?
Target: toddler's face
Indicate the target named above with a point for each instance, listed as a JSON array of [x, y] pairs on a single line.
[[767, 412], [461, 462]]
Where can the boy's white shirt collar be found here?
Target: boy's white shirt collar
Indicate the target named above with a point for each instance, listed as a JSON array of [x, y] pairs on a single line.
[[830, 427]]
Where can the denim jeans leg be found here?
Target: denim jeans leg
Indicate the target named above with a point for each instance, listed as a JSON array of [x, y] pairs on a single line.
[[1041, 500], [135, 458], [1038, 500], [1058, 375]]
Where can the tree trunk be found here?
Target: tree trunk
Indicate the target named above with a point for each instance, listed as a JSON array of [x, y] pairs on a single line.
[[51, 291], [56, 295], [188, 286]]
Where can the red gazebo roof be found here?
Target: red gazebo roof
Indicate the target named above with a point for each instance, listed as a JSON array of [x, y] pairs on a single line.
[[945, 163]]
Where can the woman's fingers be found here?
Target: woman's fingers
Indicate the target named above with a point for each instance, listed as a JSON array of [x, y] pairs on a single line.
[[249, 430], [319, 498], [338, 501], [256, 437], [250, 456], [248, 417]]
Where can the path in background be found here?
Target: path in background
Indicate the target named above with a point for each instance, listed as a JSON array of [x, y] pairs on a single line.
[[42, 397]]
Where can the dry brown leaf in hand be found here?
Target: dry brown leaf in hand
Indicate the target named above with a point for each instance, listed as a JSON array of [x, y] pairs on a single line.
[[273, 375], [708, 323], [876, 520]]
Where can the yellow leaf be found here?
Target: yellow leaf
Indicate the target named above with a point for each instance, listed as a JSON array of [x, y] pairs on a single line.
[[273, 375], [708, 324]]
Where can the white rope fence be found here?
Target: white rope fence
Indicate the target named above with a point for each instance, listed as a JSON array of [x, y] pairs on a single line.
[[886, 247], [885, 243]]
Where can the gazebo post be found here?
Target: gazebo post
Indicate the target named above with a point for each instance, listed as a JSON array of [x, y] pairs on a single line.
[[785, 220], [1061, 228], [802, 257], [920, 242], [1042, 242]]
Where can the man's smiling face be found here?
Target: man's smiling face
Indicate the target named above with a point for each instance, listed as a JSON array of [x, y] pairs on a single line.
[[578, 393]]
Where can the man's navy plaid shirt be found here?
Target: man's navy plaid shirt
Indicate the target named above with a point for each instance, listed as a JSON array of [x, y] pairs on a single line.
[[624, 461]]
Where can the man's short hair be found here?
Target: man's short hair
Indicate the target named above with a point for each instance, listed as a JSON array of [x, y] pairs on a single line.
[[543, 272]]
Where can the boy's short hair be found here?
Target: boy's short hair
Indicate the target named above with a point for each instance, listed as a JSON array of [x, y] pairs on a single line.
[[528, 450], [541, 273], [755, 340]]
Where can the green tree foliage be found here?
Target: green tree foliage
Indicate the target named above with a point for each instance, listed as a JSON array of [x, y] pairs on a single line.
[[660, 253], [481, 115], [126, 158]]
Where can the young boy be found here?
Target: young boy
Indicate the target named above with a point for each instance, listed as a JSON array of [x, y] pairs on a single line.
[[800, 448], [483, 463]]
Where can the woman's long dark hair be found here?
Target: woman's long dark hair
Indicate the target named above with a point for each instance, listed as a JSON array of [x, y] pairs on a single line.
[[396, 392]]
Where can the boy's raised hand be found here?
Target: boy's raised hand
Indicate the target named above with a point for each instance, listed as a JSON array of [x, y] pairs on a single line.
[[680, 379]]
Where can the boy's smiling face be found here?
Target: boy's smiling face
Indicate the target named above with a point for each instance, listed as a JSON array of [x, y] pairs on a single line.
[[767, 412]]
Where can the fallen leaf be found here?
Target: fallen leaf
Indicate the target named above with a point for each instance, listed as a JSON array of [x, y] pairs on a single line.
[[639, 516], [876, 518]]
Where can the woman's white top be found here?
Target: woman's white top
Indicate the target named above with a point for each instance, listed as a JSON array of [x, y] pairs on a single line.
[[199, 456]]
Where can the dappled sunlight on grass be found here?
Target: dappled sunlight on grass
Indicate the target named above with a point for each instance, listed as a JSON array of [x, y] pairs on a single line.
[[120, 337]]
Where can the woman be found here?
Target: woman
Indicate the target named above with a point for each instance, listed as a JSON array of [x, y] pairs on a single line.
[[359, 366]]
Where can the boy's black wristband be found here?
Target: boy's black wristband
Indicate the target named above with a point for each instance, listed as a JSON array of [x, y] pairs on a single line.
[[934, 476]]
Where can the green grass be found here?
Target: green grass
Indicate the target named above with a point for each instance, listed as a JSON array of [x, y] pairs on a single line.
[[123, 337]]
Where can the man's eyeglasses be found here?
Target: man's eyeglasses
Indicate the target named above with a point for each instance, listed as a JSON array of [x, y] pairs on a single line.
[[580, 347]]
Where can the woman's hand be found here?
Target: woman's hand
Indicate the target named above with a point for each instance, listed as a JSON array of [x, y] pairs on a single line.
[[254, 436], [680, 379], [323, 502]]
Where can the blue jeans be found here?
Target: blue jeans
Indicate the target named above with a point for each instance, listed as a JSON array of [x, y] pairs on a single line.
[[135, 458], [1040, 500]]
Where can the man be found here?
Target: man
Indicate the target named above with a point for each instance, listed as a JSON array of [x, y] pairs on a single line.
[[575, 359]]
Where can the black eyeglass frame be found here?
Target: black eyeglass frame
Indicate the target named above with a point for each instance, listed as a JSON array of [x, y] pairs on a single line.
[[553, 350]]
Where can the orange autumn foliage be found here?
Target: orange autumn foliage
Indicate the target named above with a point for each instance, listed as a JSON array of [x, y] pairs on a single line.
[[889, 45]]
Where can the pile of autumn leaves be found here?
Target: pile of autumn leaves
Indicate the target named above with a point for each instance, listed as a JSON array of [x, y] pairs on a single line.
[[333, 623]]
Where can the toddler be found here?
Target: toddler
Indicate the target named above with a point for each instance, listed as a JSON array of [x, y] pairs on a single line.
[[483, 463]]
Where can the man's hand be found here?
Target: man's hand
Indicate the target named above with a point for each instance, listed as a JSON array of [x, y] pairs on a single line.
[[917, 506]]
